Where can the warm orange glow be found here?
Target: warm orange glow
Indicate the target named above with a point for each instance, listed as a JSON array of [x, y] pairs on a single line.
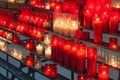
[[104, 72]]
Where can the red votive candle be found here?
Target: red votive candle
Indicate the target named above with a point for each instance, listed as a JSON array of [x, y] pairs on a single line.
[[114, 20], [73, 52], [113, 43], [54, 47], [79, 34], [87, 18], [50, 71], [30, 45], [97, 26], [66, 52], [15, 39], [105, 19], [81, 77], [80, 58], [60, 50], [91, 61], [86, 36], [103, 72], [29, 60]]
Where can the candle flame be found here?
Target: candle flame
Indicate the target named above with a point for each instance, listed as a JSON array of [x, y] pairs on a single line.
[[87, 11], [97, 19], [104, 72], [82, 78]]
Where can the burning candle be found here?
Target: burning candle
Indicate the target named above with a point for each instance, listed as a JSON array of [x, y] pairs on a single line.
[[9, 36], [86, 36], [97, 26], [91, 61], [30, 45], [87, 18], [48, 52], [12, 1], [54, 46], [113, 24], [73, 28], [112, 60], [113, 43], [47, 39], [15, 39], [50, 71], [47, 5], [66, 52], [59, 57], [81, 77], [103, 72], [39, 49], [79, 34], [29, 60], [73, 52], [105, 17], [2, 44], [80, 58], [38, 65]]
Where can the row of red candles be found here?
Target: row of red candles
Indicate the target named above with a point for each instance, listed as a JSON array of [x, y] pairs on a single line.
[[106, 17], [74, 55], [82, 35], [29, 44], [37, 18], [7, 18], [51, 71], [67, 6]]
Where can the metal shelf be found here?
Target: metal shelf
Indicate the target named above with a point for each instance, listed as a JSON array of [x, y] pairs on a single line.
[[41, 71]]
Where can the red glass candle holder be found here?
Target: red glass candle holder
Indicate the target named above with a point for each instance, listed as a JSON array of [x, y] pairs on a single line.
[[50, 71], [81, 77], [103, 72], [86, 36], [59, 56], [15, 39], [80, 58], [11, 25], [105, 18], [91, 61], [79, 34], [54, 46], [58, 7], [21, 27], [5, 34], [73, 52], [66, 52], [1, 32], [113, 43], [30, 45], [29, 60], [114, 20], [39, 34], [87, 17], [97, 26]]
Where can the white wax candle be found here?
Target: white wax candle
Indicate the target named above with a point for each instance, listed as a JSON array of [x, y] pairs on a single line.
[[38, 64], [47, 5], [12, 1], [48, 52], [47, 39], [39, 49]]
